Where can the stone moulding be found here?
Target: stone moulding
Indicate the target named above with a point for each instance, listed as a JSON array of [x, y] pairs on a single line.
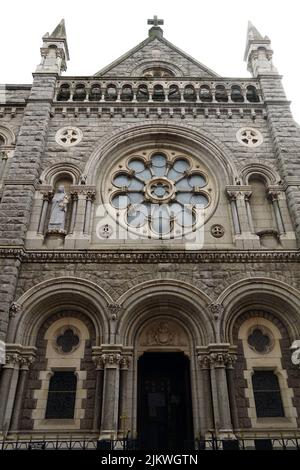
[[97, 256]]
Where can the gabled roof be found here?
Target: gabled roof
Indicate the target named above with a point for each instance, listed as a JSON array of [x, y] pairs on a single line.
[[168, 54]]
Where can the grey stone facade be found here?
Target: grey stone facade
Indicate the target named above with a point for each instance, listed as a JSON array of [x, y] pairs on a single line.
[[75, 131]]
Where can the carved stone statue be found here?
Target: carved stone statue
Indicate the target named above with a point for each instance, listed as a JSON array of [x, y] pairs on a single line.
[[58, 211]]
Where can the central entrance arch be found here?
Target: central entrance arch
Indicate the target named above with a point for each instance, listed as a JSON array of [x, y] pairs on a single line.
[[165, 419]]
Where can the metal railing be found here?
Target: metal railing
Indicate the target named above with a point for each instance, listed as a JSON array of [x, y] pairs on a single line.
[[126, 444]]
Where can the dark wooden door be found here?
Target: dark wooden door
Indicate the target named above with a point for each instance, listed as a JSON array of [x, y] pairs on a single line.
[[164, 401]]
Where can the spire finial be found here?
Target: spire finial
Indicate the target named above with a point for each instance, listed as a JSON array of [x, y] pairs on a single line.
[[155, 21], [155, 31], [59, 31]]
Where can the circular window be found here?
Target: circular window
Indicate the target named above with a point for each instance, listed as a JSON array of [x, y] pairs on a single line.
[[249, 137], [68, 136], [260, 339], [161, 193], [67, 340]]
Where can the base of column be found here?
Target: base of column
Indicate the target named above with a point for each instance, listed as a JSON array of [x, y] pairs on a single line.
[[108, 435]]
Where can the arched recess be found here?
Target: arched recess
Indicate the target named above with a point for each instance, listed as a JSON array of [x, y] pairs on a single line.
[[52, 296], [202, 144], [176, 307], [7, 135], [50, 174], [259, 293], [158, 298], [260, 170]]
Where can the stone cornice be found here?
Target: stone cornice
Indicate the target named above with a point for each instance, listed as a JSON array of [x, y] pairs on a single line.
[[166, 256]]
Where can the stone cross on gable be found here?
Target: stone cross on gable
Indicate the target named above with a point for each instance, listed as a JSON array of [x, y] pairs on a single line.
[[155, 21]]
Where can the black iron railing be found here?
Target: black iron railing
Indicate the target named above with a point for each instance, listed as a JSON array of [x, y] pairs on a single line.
[[126, 444]]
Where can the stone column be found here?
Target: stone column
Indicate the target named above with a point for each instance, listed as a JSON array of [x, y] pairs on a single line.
[[124, 415], [110, 404], [8, 385], [25, 364], [234, 211], [273, 197], [231, 358], [3, 162], [242, 218], [205, 404], [47, 196], [218, 371], [247, 196], [98, 391], [90, 196], [80, 214], [74, 197]]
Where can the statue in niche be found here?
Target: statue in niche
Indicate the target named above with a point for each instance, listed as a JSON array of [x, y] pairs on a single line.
[[58, 211]]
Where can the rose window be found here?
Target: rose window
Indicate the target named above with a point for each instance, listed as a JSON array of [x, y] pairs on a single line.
[[160, 193]]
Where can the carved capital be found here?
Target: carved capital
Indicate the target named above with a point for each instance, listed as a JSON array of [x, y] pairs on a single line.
[[218, 359], [12, 360], [98, 361], [273, 195], [231, 360], [112, 360], [26, 362], [47, 195], [90, 195], [125, 363], [247, 195], [232, 195], [204, 361], [4, 155], [88, 191], [222, 359]]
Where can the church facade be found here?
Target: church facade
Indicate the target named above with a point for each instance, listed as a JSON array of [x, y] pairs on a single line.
[[150, 227]]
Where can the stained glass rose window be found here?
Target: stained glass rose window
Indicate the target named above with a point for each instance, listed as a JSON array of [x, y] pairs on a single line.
[[160, 193]]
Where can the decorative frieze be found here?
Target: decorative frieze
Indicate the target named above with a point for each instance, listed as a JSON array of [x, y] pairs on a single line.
[[97, 256], [217, 359]]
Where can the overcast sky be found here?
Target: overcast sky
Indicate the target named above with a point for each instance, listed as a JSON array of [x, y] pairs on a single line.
[[214, 32]]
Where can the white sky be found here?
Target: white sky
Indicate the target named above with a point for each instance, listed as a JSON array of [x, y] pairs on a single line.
[[214, 32]]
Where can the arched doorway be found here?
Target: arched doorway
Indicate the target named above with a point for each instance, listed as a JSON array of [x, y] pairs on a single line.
[[165, 419]]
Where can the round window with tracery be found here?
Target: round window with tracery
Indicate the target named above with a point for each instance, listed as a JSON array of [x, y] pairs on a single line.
[[68, 136], [161, 193], [249, 137]]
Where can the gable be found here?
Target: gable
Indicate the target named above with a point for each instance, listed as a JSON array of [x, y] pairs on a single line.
[[156, 52]]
